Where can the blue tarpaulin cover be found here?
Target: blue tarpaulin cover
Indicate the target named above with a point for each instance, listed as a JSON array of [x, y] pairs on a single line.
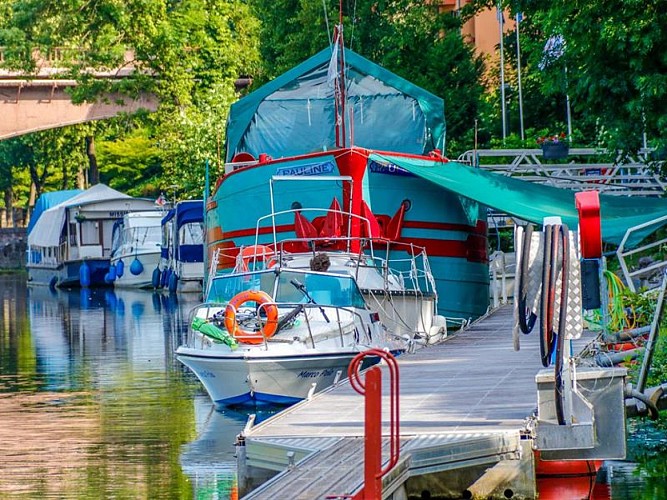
[[48, 200]]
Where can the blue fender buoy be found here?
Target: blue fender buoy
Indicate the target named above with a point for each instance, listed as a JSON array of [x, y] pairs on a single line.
[[53, 282], [110, 276], [173, 282], [155, 281], [120, 268], [84, 274], [136, 267]]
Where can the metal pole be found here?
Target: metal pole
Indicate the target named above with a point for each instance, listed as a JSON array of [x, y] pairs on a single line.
[[652, 337], [502, 71], [458, 14], [518, 65], [569, 114]]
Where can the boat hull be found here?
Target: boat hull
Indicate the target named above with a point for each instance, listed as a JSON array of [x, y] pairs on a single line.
[[144, 279], [260, 378], [67, 274]]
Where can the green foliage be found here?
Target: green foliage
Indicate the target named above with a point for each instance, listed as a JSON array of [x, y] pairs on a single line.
[[640, 306], [615, 64], [131, 164]]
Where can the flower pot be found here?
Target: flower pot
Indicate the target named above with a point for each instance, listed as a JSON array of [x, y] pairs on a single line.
[[555, 150]]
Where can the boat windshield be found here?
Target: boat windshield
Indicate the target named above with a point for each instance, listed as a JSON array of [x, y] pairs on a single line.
[[191, 234], [325, 289]]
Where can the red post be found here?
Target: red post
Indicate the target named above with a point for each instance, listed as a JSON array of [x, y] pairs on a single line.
[[373, 430], [588, 206], [371, 388]]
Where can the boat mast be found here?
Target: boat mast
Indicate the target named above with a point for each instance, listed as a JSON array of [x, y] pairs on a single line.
[[339, 93]]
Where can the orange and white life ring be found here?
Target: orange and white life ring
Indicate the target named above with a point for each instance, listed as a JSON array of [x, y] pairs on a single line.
[[257, 252], [271, 311]]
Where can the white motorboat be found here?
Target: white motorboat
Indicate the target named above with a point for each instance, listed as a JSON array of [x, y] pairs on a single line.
[[282, 326], [135, 254]]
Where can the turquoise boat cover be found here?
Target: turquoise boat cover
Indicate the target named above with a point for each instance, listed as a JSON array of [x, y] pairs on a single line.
[[294, 114], [532, 202], [48, 200]]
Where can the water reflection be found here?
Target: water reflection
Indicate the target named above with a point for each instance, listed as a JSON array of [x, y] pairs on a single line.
[[93, 403]]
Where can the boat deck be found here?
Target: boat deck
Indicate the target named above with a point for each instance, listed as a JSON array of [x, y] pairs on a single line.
[[462, 402]]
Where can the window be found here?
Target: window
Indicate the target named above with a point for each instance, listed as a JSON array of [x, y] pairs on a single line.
[[90, 232]]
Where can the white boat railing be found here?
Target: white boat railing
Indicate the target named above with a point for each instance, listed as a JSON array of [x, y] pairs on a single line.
[[498, 278], [653, 269]]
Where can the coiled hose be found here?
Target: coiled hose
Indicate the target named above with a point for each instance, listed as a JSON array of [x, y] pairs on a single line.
[[556, 236]]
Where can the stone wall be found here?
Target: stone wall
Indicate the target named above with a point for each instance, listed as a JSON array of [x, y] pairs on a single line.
[[13, 245]]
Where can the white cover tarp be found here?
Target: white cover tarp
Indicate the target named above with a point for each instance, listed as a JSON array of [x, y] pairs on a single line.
[[46, 232]]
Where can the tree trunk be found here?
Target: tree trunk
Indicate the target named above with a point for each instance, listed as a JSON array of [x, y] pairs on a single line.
[[94, 175], [9, 205], [33, 195], [37, 179]]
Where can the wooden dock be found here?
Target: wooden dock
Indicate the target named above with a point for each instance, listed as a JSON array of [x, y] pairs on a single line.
[[464, 402]]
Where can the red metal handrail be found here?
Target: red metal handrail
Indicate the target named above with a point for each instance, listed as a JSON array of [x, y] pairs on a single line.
[[371, 388]]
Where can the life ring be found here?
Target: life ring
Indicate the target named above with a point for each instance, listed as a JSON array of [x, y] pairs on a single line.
[[271, 317], [257, 252]]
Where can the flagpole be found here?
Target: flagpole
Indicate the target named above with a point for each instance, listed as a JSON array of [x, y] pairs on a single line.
[[502, 73], [567, 103], [518, 59], [207, 190]]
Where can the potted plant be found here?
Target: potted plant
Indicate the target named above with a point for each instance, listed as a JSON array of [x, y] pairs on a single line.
[[554, 147]]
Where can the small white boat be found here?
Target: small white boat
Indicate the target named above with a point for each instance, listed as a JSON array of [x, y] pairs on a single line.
[[137, 240], [182, 264], [280, 327]]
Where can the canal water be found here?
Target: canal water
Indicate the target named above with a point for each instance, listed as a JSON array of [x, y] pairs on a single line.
[[93, 404]]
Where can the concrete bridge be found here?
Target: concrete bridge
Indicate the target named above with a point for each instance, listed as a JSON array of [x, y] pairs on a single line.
[[39, 101]]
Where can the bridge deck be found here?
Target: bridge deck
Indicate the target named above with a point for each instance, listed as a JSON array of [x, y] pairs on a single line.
[[465, 400]]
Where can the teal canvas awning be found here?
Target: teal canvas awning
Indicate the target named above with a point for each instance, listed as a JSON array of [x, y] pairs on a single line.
[[295, 113], [533, 202]]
